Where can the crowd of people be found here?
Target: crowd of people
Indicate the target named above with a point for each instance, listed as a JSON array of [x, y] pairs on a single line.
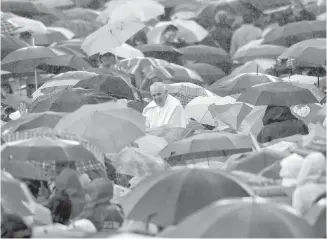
[[104, 143]]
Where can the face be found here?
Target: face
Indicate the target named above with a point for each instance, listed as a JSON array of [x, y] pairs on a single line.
[[30, 89], [6, 89], [159, 96], [170, 35], [108, 61]]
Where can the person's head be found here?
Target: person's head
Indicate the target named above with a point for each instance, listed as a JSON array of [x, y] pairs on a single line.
[[30, 89], [26, 36], [6, 88], [222, 18], [60, 206], [248, 18], [159, 93], [107, 59], [12, 226], [170, 33]]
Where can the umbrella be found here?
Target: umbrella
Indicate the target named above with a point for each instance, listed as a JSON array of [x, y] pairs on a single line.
[[202, 147], [278, 93], [322, 17], [258, 65], [29, 8], [240, 83], [295, 32], [244, 213], [51, 133], [17, 199], [251, 52], [186, 92], [43, 153], [9, 44], [110, 36], [183, 74], [125, 51], [257, 161], [111, 85], [151, 144], [189, 30], [171, 196], [301, 79], [31, 121], [66, 100], [70, 61], [27, 24], [208, 73], [174, 3], [104, 127], [198, 108], [79, 27], [141, 10], [135, 162], [162, 52], [52, 35], [84, 14], [204, 54], [63, 80], [308, 53], [232, 114], [316, 216], [60, 4], [7, 27]]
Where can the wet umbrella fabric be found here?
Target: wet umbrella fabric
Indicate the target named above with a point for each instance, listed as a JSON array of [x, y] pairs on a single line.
[[171, 196], [253, 218]]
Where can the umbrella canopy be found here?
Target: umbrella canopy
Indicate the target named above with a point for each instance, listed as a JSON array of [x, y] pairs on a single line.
[[43, 153], [135, 162], [66, 100], [253, 217], [104, 127], [29, 8], [204, 54], [258, 65], [240, 83], [31, 121], [301, 79], [232, 114], [257, 161], [183, 74], [27, 24], [51, 36], [308, 53], [189, 30], [9, 44], [295, 32], [111, 85], [162, 52], [61, 81], [198, 108], [8, 27], [85, 14], [28, 57], [208, 73], [202, 146], [171, 196], [79, 27], [251, 52], [126, 51], [278, 93], [110, 36], [70, 61], [141, 10], [316, 216]]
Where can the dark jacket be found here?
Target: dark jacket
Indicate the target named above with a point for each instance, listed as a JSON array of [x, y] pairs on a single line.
[[279, 122]]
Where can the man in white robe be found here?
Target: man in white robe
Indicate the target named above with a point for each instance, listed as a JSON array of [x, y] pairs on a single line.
[[164, 110]]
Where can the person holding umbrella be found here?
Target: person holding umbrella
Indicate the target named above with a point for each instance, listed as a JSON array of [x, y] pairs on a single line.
[[107, 60], [279, 122], [170, 37]]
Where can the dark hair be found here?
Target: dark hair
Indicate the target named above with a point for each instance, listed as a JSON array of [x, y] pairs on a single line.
[[170, 28], [107, 54], [249, 18], [9, 86], [12, 224], [60, 206], [25, 35]]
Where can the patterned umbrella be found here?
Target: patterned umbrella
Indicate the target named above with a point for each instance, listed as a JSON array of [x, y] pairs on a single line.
[[9, 44], [66, 100], [8, 27]]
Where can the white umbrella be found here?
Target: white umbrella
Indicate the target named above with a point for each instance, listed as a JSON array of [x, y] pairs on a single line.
[[27, 24], [301, 79], [110, 36], [142, 10], [64, 31], [125, 51], [188, 29]]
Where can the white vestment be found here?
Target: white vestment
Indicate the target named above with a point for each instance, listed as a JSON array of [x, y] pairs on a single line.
[[172, 113]]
